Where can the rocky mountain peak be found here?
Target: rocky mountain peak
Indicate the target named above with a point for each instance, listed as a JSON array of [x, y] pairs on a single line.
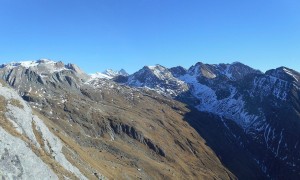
[[178, 71], [109, 74], [41, 66], [203, 70], [285, 73], [160, 72], [237, 70], [75, 68], [156, 66], [158, 78], [123, 72], [113, 73], [28, 64], [233, 71], [148, 75], [32, 76]]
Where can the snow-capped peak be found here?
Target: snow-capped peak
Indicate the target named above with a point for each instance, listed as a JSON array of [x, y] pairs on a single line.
[[123, 72], [160, 71], [204, 70], [112, 73], [159, 79], [156, 66], [284, 73], [28, 64], [109, 74], [41, 66], [233, 71]]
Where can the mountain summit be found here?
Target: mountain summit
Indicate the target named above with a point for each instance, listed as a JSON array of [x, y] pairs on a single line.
[[210, 121], [110, 74], [158, 78]]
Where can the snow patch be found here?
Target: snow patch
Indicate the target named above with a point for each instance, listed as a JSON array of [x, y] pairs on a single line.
[[290, 73], [230, 107]]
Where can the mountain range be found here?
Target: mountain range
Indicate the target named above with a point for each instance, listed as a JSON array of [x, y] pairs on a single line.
[[210, 121]]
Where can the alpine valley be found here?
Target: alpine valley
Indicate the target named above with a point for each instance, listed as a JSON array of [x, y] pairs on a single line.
[[211, 121]]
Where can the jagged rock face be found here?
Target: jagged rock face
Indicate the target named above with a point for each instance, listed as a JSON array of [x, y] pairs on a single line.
[[276, 94], [30, 77], [218, 90], [285, 74], [178, 71], [158, 78], [106, 129], [234, 71], [27, 142], [264, 106]]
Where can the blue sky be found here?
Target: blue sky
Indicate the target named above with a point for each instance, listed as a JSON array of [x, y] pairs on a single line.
[[101, 34]]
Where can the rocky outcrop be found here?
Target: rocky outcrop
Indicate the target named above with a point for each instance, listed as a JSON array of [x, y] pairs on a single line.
[[130, 131], [159, 79], [22, 131]]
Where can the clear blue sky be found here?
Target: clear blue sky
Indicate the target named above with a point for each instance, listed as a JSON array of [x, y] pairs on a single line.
[[101, 34]]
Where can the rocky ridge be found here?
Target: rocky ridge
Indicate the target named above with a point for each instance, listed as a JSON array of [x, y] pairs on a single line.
[[106, 129], [254, 114], [27, 142], [259, 103]]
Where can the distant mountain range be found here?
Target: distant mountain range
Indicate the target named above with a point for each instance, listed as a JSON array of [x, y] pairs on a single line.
[[211, 121], [109, 74]]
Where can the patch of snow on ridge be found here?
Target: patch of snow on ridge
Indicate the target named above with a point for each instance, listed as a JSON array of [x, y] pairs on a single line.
[[41, 66], [100, 75], [159, 79], [270, 85], [28, 64], [108, 74], [290, 73], [112, 73], [134, 82], [227, 72], [230, 107], [160, 72]]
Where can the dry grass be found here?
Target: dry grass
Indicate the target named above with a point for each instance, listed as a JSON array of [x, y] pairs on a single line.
[[4, 122], [126, 158], [3, 83], [16, 103], [59, 170], [3, 104], [72, 149], [195, 160]]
